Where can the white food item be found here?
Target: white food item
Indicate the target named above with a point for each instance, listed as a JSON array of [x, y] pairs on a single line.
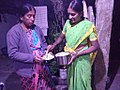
[[48, 56], [62, 54]]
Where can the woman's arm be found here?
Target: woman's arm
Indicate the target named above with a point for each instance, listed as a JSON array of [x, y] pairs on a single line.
[[60, 38], [94, 46], [90, 49], [13, 48]]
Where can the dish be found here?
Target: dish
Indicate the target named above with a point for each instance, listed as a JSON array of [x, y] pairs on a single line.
[[63, 58], [48, 56], [62, 54]]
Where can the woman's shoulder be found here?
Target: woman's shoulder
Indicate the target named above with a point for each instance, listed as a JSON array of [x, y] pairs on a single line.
[[87, 21], [37, 29], [36, 26], [67, 21], [15, 30], [16, 27]]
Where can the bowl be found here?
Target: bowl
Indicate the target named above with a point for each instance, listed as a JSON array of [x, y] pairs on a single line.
[[62, 58]]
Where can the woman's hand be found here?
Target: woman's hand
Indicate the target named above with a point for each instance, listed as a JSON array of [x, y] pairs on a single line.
[[50, 47], [38, 59], [74, 56]]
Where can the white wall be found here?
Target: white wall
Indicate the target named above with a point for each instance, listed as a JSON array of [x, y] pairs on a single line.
[[5, 26]]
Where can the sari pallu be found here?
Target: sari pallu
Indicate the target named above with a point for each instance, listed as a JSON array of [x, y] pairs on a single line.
[[79, 72], [76, 38]]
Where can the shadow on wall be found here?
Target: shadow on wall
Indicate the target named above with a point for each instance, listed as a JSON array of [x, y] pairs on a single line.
[[98, 70]]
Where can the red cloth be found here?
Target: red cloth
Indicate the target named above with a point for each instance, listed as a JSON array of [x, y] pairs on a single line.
[[39, 81]]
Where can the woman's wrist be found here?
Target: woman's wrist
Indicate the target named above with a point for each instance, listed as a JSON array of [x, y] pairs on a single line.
[[53, 45], [83, 52], [80, 53]]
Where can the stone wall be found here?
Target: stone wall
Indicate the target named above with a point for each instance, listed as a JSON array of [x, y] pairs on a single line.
[[104, 10]]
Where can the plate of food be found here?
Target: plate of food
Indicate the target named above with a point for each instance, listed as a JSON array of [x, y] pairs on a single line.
[[48, 56]]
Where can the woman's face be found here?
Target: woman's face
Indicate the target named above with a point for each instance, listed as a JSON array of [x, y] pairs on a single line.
[[73, 16], [29, 18]]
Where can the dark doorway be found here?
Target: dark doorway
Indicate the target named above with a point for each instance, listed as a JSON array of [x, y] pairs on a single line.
[[114, 58]]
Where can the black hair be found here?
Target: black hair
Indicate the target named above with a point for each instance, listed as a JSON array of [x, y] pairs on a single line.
[[25, 9], [76, 5]]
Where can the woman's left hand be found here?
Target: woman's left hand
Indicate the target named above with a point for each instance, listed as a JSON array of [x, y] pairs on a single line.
[[74, 55]]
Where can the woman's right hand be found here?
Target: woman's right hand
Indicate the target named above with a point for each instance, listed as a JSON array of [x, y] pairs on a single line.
[[60, 38], [38, 59], [50, 47]]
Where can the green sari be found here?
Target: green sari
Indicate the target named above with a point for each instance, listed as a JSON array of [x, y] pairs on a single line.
[[79, 72]]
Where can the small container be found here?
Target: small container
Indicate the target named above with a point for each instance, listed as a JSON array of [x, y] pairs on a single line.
[[63, 73], [62, 58]]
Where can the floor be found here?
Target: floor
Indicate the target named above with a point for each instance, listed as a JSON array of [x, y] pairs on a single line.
[[11, 81], [116, 82], [7, 76]]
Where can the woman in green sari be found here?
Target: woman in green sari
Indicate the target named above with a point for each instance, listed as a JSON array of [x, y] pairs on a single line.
[[78, 33]]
